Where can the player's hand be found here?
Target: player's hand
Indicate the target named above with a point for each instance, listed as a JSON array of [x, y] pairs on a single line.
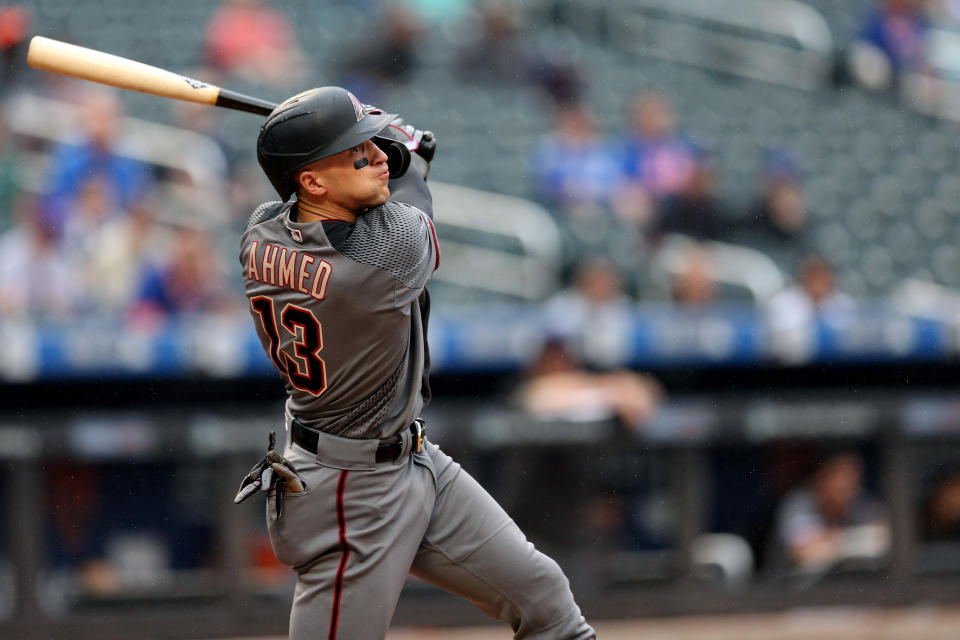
[[423, 143], [272, 471], [285, 473]]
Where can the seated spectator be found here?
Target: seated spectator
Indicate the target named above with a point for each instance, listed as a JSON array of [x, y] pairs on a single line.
[[697, 210], [217, 160], [119, 251], [9, 175], [831, 523], [794, 313], [891, 41], [38, 280], [575, 171], [557, 386], [440, 12], [694, 286], [493, 50], [253, 41], [657, 158], [94, 159], [594, 314], [942, 510], [779, 215], [14, 28], [388, 58], [190, 280]]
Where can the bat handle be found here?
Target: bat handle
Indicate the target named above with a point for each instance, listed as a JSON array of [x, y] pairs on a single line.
[[240, 102]]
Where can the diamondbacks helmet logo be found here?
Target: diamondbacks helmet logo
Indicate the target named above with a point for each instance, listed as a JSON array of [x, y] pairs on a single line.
[[357, 107]]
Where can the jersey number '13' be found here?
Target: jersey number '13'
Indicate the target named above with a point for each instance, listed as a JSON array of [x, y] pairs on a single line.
[[304, 368]]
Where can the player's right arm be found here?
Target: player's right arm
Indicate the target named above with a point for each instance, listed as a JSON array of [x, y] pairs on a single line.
[[411, 189]]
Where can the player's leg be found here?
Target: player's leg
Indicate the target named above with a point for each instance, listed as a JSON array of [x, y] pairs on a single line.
[[473, 549], [351, 537]]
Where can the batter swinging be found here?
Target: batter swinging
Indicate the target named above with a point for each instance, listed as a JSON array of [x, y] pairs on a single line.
[[336, 279]]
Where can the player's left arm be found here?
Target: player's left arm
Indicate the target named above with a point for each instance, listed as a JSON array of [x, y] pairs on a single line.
[[411, 189]]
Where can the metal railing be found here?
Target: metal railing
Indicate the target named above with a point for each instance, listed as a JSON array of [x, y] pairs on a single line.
[[780, 41]]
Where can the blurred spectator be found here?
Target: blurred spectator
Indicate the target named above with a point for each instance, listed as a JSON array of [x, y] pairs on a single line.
[[779, 214], [944, 13], [594, 314], [119, 251], [942, 509], [657, 158], [831, 523], [696, 209], [253, 41], [217, 160], [891, 41], [388, 58], [37, 279], [91, 208], [793, 314], [694, 286], [575, 171], [94, 159], [557, 386], [494, 50], [440, 11], [191, 279], [9, 175], [14, 29]]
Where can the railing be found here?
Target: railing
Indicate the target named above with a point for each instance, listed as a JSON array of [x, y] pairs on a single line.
[[496, 244], [155, 144], [779, 41], [734, 265]]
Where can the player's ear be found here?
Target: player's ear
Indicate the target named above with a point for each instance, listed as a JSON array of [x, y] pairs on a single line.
[[310, 182]]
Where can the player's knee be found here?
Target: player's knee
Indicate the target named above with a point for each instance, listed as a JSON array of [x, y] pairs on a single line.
[[552, 598]]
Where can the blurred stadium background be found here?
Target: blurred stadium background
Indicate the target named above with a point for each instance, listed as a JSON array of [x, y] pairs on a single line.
[[697, 322]]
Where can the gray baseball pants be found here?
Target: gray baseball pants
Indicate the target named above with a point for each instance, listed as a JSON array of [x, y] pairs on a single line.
[[359, 528]]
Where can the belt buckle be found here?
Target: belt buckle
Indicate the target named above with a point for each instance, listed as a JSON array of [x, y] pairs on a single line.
[[418, 430]]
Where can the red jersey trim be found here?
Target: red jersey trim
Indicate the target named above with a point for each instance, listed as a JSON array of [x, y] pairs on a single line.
[[436, 243], [338, 583]]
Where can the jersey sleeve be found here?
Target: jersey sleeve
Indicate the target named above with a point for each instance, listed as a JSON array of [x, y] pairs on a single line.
[[398, 238], [264, 212], [411, 189]]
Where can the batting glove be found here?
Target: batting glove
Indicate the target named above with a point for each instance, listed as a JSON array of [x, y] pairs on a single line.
[[272, 472]]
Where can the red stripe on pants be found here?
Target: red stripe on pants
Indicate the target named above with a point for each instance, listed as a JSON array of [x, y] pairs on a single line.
[[338, 585]]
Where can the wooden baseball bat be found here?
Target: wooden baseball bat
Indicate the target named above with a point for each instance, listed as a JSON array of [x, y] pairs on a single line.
[[97, 66]]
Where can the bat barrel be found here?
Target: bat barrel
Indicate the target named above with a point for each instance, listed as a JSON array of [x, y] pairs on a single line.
[[105, 68]]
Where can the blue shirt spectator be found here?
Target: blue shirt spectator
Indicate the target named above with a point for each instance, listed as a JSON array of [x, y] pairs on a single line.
[[898, 29], [575, 171], [655, 156], [94, 158]]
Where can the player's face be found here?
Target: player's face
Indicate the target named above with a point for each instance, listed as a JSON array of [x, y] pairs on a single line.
[[358, 189]]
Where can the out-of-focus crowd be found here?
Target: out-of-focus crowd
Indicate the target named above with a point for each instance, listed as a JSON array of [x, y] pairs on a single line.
[[94, 212], [93, 231]]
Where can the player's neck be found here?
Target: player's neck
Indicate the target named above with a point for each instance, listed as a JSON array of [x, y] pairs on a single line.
[[317, 212]]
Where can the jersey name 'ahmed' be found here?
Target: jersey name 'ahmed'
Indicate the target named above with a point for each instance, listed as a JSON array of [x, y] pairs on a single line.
[[283, 267]]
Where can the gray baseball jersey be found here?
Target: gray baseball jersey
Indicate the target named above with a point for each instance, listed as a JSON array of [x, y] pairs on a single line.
[[342, 310], [344, 324]]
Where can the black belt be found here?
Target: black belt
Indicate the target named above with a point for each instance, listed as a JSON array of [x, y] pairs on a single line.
[[387, 451]]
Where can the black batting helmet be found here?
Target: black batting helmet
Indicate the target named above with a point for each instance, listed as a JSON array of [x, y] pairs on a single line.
[[319, 123]]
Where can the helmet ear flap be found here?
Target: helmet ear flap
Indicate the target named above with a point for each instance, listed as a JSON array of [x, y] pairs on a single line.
[[398, 156]]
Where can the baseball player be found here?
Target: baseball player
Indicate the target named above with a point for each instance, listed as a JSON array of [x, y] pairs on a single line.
[[336, 275]]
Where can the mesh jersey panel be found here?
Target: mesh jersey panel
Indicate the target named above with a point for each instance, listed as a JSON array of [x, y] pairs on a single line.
[[263, 212], [389, 238], [365, 417]]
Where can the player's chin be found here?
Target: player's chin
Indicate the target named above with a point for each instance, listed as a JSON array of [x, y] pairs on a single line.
[[383, 194]]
